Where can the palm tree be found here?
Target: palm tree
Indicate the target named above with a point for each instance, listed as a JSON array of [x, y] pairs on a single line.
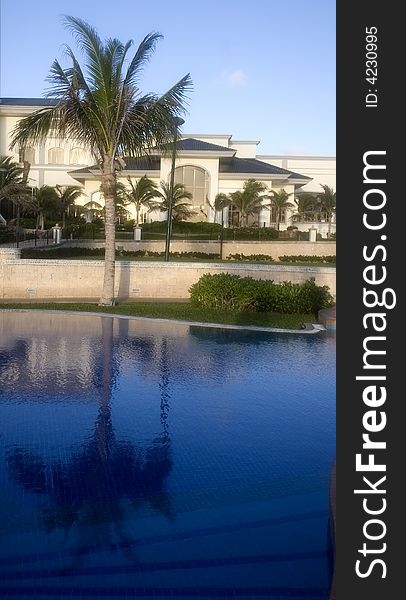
[[67, 197], [44, 203], [91, 210], [140, 194], [221, 201], [279, 200], [13, 184], [115, 472], [102, 108], [307, 207], [328, 203], [180, 210], [249, 201]]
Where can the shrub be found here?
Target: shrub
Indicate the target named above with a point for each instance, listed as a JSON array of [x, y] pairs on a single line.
[[224, 291], [251, 233], [182, 227], [250, 257], [232, 292], [126, 226], [307, 258]]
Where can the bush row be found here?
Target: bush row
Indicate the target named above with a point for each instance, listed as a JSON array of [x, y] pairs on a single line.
[[307, 258], [62, 252], [182, 227], [250, 257], [232, 292]]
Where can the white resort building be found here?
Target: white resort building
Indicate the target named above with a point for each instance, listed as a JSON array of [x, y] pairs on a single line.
[[205, 164]]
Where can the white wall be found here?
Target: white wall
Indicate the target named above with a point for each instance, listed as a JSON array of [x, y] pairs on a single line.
[[321, 169]]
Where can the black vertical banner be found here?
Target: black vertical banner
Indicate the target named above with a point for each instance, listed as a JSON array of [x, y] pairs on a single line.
[[371, 267]]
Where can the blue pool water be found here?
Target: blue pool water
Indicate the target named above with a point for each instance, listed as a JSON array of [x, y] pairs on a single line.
[[153, 460]]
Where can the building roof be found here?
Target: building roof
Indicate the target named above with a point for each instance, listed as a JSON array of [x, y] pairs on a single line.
[[254, 166], [28, 101], [193, 145], [144, 163], [227, 164]]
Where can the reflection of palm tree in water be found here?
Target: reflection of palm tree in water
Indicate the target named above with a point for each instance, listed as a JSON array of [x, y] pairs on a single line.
[[108, 477]]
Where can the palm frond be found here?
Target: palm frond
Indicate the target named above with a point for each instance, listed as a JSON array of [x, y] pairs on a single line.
[[221, 201], [90, 43], [35, 127], [141, 57]]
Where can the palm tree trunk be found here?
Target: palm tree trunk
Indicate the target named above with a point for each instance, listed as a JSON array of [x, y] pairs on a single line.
[[108, 187], [329, 224], [277, 219]]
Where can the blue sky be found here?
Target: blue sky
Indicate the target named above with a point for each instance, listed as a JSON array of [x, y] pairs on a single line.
[[261, 70]]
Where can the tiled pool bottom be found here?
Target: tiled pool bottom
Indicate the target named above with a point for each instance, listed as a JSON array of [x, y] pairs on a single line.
[[163, 461]]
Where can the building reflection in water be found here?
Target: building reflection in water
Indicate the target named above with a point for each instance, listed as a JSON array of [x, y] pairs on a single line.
[[108, 479]]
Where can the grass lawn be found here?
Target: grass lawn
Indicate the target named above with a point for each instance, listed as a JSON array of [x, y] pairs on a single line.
[[184, 311]]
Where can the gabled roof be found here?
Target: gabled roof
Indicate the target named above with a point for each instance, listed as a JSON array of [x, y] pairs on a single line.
[[193, 145], [228, 164]]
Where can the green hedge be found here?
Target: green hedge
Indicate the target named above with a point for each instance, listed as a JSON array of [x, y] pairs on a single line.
[[205, 230], [182, 227], [251, 257], [307, 258], [232, 292], [250, 233], [63, 252]]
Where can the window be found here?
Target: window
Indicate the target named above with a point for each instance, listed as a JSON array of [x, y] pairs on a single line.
[[56, 156], [27, 154], [274, 214], [76, 156], [196, 181]]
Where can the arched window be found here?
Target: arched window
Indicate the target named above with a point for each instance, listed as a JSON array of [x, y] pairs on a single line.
[[27, 154], [76, 156], [196, 181], [56, 156]]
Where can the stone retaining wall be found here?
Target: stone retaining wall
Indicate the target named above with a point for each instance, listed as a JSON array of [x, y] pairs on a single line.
[[48, 279]]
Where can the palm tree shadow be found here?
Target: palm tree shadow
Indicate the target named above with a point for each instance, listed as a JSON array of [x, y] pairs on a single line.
[[108, 479]]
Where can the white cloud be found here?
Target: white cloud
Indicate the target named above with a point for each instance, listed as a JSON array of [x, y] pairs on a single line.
[[234, 79], [237, 78]]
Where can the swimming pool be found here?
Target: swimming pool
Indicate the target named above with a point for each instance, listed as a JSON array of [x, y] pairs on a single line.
[[144, 459]]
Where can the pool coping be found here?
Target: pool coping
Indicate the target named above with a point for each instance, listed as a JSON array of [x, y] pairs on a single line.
[[309, 328]]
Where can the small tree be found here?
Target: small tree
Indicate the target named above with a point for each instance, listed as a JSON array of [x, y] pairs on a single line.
[[280, 201], [249, 200], [221, 202], [307, 207], [67, 196], [44, 203], [181, 210], [13, 185], [139, 194], [328, 203]]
